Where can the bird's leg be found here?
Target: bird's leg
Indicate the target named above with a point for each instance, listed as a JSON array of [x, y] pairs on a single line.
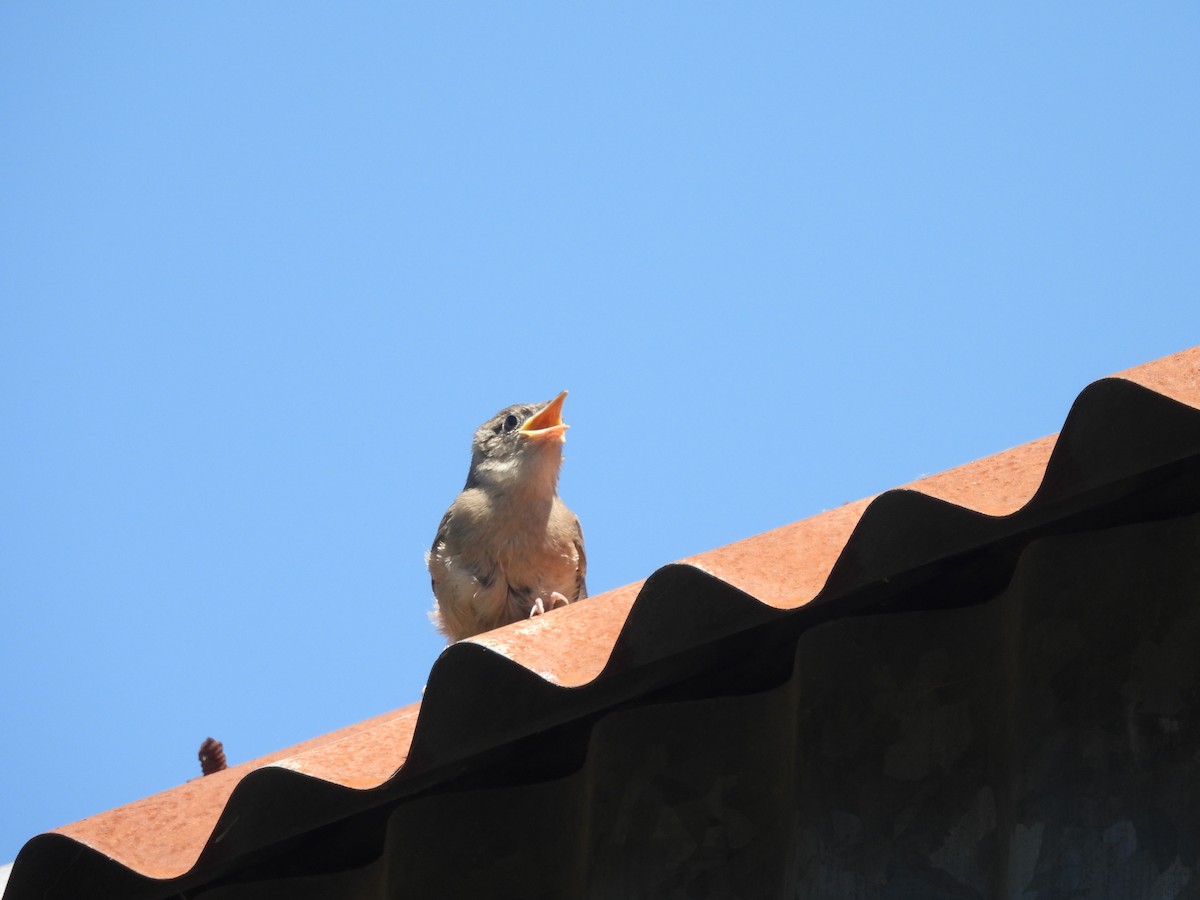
[[540, 607]]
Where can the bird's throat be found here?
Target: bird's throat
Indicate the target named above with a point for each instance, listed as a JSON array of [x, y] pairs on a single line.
[[520, 482]]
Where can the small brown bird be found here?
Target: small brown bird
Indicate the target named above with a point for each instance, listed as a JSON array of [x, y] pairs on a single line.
[[508, 548]]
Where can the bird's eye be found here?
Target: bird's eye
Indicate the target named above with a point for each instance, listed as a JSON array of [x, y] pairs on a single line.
[[510, 422]]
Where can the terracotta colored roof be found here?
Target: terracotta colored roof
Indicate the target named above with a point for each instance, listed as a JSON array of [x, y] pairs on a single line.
[[1124, 436]]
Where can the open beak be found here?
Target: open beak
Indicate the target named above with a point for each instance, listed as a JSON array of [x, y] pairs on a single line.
[[547, 422]]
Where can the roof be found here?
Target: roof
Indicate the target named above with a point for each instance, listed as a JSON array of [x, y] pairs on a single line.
[[1123, 442]]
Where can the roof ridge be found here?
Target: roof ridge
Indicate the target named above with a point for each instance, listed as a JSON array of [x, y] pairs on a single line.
[[606, 649]]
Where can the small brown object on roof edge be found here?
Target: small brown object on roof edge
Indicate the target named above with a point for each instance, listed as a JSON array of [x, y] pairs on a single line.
[[212, 756]]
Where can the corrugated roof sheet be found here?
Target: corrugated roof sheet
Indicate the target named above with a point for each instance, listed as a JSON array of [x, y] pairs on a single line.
[[1124, 441]]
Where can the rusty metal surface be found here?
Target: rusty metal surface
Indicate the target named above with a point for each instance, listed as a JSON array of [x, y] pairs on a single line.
[[1123, 439], [885, 764]]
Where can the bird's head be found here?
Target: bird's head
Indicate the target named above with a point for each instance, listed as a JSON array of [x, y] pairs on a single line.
[[521, 443]]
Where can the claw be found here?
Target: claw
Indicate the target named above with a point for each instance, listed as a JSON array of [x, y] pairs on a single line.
[[541, 607]]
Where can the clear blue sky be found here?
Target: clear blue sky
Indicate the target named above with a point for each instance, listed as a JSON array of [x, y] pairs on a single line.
[[265, 267]]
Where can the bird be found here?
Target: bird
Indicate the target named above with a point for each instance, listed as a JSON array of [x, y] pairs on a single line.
[[508, 548]]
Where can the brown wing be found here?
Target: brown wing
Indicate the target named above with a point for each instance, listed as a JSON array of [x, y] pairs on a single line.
[[437, 539], [581, 580]]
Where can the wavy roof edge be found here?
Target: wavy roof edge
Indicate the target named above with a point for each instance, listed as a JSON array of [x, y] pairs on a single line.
[[592, 655]]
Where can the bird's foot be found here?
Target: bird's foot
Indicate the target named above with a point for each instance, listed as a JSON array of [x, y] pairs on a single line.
[[540, 607]]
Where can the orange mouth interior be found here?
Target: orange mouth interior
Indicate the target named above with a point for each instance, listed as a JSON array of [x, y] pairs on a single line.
[[547, 420]]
